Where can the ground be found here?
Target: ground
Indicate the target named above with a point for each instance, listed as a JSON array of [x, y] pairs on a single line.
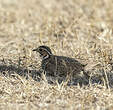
[[78, 29]]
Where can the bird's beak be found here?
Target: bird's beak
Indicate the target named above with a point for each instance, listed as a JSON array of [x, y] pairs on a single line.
[[34, 50]]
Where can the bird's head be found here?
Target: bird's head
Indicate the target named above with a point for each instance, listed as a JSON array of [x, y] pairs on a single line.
[[44, 51]]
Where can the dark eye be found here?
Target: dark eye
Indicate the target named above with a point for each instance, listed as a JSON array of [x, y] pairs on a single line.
[[40, 49]]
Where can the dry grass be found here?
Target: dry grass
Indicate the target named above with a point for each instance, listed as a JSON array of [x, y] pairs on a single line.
[[79, 29]]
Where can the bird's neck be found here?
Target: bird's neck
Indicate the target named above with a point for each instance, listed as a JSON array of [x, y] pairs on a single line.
[[46, 57]]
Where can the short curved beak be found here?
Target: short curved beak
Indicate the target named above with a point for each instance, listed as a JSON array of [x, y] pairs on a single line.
[[34, 50]]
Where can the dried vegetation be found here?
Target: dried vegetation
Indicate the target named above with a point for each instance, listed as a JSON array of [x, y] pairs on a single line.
[[79, 29]]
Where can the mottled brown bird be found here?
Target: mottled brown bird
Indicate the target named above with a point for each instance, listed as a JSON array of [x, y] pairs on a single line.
[[59, 67]]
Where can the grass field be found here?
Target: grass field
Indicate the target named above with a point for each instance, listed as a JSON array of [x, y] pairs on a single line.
[[81, 29]]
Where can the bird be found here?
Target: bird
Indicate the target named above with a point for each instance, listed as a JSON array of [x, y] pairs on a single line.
[[61, 68]]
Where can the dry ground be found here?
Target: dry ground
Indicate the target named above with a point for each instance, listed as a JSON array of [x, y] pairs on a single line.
[[80, 29]]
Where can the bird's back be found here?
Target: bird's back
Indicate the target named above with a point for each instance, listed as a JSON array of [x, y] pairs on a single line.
[[61, 66]]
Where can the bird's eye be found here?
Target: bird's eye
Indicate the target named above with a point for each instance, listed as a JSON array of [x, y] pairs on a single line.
[[40, 49]]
